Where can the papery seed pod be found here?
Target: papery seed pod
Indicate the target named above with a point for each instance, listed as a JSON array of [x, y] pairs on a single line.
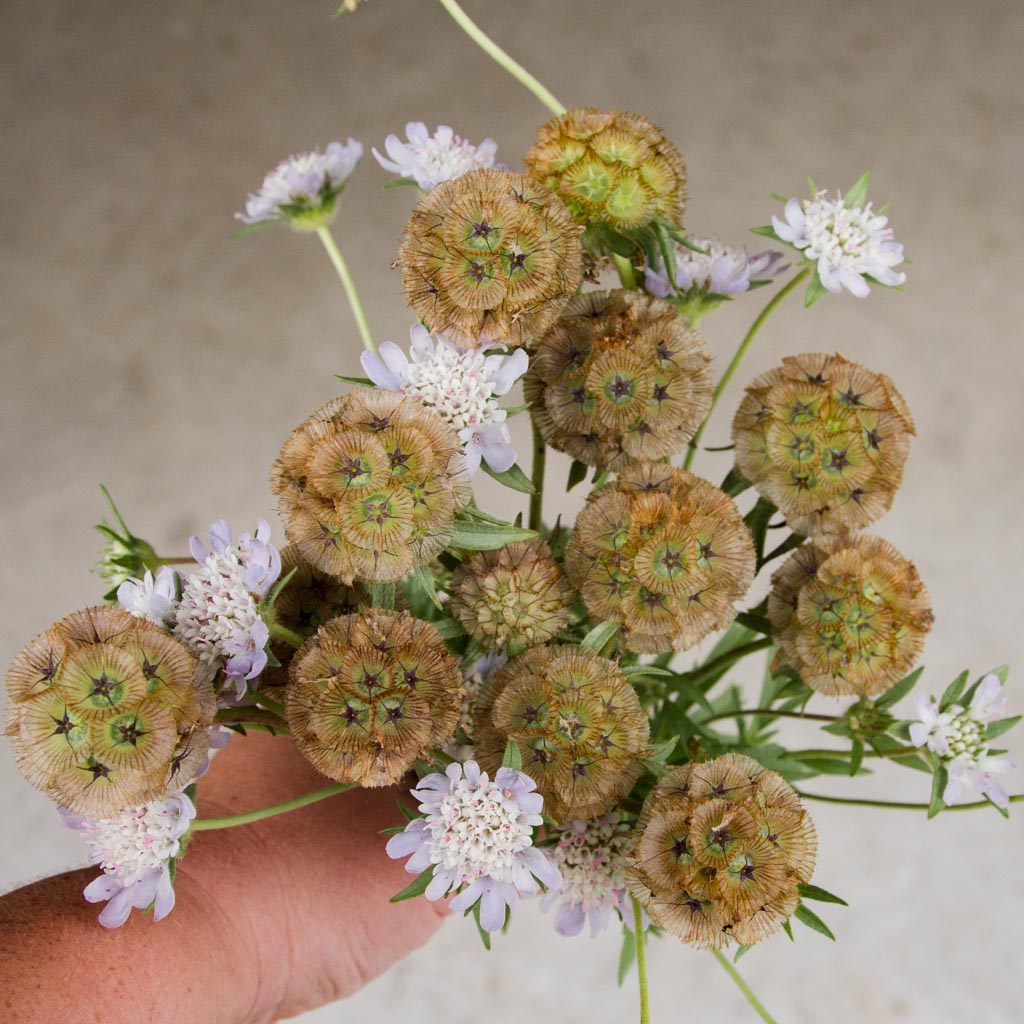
[[369, 486], [620, 377], [577, 721], [490, 256], [610, 167], [721, 847], [825, 440], [370, 693], [663, 552], [849, 614], [107, 711], [515, 597]]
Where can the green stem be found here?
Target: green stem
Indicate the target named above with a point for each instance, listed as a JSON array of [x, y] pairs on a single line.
[[627, 272], [289, 636], [178, 560], [260, 697], [728, 658], [350, 287], [738, 358], [252, 717], [825, 752], [773, 712], [641, 962], [730, 969], [897, 805], [495, 52], [540, 453], [204, 824]]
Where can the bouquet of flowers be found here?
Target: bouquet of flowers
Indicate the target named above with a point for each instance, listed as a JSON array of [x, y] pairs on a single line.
[[535, 683]]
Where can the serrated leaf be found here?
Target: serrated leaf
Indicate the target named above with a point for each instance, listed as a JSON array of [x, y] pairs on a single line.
[[811, 919], [996, 729], [939, 780], [815, 290], [900, 690], [577, 474], [417, 887], [476, 535], [423, 579], [953, 692], [512, 758], [361, 381], [815, 892], [513, 478], [627, 956], [596, 639], [858, 193]]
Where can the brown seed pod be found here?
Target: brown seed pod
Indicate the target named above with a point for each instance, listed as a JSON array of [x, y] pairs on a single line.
[[512, 598], [490, 256], [369, 486], [825, 440], [619, 378], [850, 614], [610, 167], [663, 552], [721, 847], [371, 693], [577, 721], [107, 711]]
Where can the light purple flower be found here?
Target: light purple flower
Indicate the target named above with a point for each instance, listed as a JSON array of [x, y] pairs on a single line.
[[722, 270], [477, 835], [930, 728], [430, 159], [977, 774], [149, 598]]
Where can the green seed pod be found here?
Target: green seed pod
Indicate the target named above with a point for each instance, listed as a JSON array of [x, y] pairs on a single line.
[[577, 721], [107, 711], [849, 614], [825, 440], [619, 378], [371, 693], [663, 552], [490, 256], [721, 847]]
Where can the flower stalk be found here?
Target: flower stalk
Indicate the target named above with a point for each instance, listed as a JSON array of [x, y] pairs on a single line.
[[743, 986], [341, 267], [208, 824], [641, 961]]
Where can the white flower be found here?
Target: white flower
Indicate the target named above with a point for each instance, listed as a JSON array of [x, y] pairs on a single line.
[[930, 729], [460, 386], [721, 270], [977, 773], [430, 159], [851, 245], [150, 598]]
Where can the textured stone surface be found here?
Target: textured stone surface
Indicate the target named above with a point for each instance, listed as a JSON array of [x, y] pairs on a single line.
[[142, 349]]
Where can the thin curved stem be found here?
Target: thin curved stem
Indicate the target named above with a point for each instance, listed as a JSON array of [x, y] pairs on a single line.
[[177, 560], [496, 53], [756, 1003], [540, 454], [772, 712], [727, 659], [825, 752], [289, 636], [738, 358], [898, 805], [205, 824], [260, 697], [350, 287], [251, 717], [641, 961]]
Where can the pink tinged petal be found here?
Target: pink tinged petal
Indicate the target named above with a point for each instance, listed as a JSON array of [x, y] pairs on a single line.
[[388, 165], [492, 909], [116, 912], [919, 734], [542, 869], [472, 773], [829, 278], [220, 535], [997, 794], [569, 919], [198, 550], [500, 457], [419, 861], [421, 344], [102, 888], [438, 886], [416, 132], [471, 462], [521, 877]]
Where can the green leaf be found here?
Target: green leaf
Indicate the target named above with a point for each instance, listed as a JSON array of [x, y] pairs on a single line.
[[393, 831], [474, 535], [382, 595], [900, 690], [856, 757], [409, 813], [858, 193], [741, 951], [768, 232], [423, 579], [952, 692], [996, 729], [815, 290], [596, 639], [514, 478], [778, 198], [815, 892], [577, 474], [828, 765], [811, 919], [362, 381], [449, 629], [939, 781], [734, 484], [788, 929], [417, 887], [513, 758], [627, 956], [250, 228], [485, 936], [396, 182]]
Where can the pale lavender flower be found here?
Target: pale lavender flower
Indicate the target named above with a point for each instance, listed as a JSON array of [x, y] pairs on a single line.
[[721, 270], [301, 190], [149, 598], [930, 728], [430, 159], [134, 850], [461, 386], [478, 836], [978, 774]]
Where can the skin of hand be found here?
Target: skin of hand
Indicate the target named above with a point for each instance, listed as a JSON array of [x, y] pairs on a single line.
[[272, 918]]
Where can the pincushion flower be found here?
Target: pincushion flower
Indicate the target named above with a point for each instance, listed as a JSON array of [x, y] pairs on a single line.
[[478, 836], [134, 849], [723, 270], [978, 774], [301, 191], [849, 244], [431, 159], [150, 598], [461, 386]]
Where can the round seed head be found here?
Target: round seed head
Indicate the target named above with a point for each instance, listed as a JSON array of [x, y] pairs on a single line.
[[619, 378], [577, 721], [369, 486], [850, 614], [721, 847], [610, 167], [490, 256], [663, 552], [514, 598], [825, 440], [370, 693], [107, 711]]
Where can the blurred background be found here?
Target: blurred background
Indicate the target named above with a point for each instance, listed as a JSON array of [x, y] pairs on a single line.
[[142, 349]]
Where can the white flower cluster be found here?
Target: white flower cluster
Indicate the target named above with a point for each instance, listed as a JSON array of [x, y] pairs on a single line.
[[430, 159]]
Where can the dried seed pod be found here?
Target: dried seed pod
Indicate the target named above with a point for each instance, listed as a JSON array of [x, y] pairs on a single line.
[[577, 721], [490, 256], [721, 847], [610, 167], [107, 711], [370, 693], [850, 614], [515, 597], [663, 552], [369, 486], [825, 440], [620, 377]]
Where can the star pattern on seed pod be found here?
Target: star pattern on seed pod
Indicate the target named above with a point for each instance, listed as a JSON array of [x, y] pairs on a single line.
[[825, 440], [619, 378], [370, 693], [663, 552], [721, 847], [490, 257], [369, 486], [849, 614], [108, 711]]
